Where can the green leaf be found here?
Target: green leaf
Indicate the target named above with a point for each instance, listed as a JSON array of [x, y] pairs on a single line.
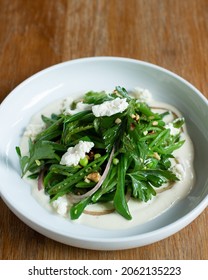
[[72, 129], [38, 151], [142, 190], [161, 137], [143, 180], [110, 137], [123, 93], [146, 110], [177, 123], [169, 149], [110, 131], [93, 97], [22, 159]]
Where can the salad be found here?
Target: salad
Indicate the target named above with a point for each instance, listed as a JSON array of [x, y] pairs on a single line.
[[116, 149]]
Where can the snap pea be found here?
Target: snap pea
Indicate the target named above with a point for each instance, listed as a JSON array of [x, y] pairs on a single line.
[[78, 208], [120, 203]]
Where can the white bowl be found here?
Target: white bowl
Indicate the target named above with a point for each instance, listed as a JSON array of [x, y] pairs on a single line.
[[98, 73]]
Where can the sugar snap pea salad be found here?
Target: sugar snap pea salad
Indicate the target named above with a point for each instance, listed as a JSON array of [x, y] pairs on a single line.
[[115, 150]]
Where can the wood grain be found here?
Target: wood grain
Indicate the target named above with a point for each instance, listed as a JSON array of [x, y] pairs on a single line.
[[38, 34]]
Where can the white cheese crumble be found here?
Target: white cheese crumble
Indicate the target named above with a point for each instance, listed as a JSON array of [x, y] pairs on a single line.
[[74, 154], [143, 95], [173, 130], [33, 130], [66, 104], [60, 205], [109, 108], [178, 170]]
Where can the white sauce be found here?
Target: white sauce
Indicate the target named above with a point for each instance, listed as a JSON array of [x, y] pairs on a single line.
[[141, 212], [173, 130], [142, 94]]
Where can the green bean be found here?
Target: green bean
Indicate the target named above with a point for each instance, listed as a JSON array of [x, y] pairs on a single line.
[[51, 132], [120, 203], [76, 116], [78, 208], [108, 184], [160, 137]]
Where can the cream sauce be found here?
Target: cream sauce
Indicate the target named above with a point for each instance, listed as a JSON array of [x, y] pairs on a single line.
[[141, 212]]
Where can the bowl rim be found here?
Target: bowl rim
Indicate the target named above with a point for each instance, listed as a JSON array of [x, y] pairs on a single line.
[[105, 58], [181, 222]]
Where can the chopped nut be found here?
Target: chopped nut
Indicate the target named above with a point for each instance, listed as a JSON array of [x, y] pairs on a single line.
[[37, 162], [155, 123], [94, 176], [156, 155], [117, 121], [86, 180], [90, 155], [137, 117]]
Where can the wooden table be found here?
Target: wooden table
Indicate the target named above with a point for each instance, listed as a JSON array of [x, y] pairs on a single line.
[[38, 34]]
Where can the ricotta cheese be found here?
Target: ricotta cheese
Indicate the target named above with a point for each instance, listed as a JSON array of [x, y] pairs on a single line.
[[74, 154], [66, 105], [173, 130], [143, 95], [178, 170], [61, 205], [33, 130], [109, 108]]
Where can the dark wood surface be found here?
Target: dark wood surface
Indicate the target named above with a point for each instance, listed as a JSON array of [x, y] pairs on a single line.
[[38, 34]]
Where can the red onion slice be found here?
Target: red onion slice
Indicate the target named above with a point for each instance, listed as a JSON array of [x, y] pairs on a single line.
[[40, 180], [99, 213], [106, 211], [76, 198]]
